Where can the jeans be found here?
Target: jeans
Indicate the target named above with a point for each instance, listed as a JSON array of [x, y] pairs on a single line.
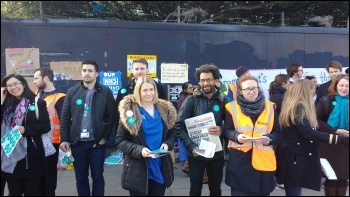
[[85, 156], [182, 152], [292, 191], [154, 189], [236, 192], [214, 172]]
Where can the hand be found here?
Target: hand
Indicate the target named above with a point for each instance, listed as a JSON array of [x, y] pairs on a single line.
[[194, 151], [145, 152], [241, 138], [64, 146], [164, 146], [342, 132], [3, 94], [101, 142], [21, 129], [215, 130]]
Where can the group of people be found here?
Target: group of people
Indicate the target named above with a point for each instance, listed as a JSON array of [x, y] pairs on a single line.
[[289, 128]]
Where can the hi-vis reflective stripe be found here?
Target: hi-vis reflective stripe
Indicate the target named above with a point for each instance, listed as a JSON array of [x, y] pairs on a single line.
[[263, 157], [54, 120]]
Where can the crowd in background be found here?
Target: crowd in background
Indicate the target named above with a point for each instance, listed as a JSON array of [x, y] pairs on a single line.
[[268, 140]]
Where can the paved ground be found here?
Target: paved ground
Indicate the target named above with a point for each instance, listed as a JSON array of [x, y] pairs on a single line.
[[66, 184]]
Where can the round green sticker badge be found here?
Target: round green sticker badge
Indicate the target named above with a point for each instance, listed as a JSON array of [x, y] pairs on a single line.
[[216, 108]]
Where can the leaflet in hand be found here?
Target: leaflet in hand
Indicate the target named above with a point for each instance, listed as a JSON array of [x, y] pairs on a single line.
[[206, 149], [159, 153], [262, 138], [197, 128]]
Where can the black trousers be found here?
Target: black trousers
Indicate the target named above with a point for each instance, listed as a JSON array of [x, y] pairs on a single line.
[[26, 186], [3, 183], [51, 173], [215, 173]]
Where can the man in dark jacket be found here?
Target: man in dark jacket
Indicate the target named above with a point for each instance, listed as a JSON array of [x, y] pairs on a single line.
[[139, 68], [334, 69], [87, 119], [205, 99]]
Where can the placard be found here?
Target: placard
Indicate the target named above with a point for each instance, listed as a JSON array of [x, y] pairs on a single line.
[[66, 70], [23, 61], [151, 60], [173, 73]]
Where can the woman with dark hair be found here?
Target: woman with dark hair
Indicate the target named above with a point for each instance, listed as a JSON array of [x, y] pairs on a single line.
[[277, 89], [22, 162]]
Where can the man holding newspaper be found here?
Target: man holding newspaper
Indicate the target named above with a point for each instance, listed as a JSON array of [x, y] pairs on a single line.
[[200, 127]]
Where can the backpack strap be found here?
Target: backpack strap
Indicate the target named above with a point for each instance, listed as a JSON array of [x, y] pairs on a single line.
[[327, 106], [36, 107], [194, 109]]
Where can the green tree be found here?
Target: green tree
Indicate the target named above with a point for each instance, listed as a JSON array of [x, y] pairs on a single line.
[[296, 13]]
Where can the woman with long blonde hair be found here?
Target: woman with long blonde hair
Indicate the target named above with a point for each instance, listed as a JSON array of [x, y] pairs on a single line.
[[298, 160]]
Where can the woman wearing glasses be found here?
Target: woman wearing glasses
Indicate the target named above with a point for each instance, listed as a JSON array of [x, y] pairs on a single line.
[[333, 118], [252, 129], [22, 152]]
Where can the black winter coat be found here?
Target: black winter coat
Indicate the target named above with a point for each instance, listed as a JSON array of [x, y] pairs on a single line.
[[33, 164], [130, 140], [298, 159], [204, 105], [103, 112]]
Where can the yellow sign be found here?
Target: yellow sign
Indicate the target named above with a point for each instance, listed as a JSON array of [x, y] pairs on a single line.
[[152, 64]]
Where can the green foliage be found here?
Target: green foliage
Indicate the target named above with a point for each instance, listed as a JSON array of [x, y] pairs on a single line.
[[296, 13]]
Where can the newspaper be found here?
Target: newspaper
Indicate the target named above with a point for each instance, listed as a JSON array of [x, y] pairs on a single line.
[[327, 169], [197, 128]]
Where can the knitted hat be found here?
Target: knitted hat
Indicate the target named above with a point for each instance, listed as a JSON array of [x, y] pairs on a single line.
[[241, 71]]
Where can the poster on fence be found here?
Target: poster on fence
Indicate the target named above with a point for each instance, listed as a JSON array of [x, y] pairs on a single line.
[[22, 61], [66, 70], [173, 73]]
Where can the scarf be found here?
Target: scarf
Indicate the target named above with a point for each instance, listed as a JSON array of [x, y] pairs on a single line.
[[252, 108], [339, 118], [8, 164]]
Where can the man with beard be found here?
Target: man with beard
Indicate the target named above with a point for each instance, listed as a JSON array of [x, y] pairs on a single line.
[[139, 69], [206, 98], [43, 79], [87, 120]]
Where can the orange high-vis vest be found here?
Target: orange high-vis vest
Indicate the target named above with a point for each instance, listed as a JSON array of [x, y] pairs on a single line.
[[232, 88], [263, 157], [54, 119]]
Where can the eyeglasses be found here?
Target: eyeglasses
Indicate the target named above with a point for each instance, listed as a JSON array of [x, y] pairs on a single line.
[[301, 70], [14, 84], [255, 89], [206, 80], [190, 88]]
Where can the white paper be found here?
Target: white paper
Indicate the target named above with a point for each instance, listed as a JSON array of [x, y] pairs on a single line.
[[207, 149], [327, 169], [197, 128], [262, 138]]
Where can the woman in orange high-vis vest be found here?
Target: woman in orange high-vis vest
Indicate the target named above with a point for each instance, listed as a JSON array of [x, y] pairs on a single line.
[[252, 129]]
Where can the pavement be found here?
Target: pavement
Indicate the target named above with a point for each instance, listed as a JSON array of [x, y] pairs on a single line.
[[181, 185]]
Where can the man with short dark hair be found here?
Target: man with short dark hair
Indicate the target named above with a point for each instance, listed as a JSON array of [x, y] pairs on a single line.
[[206, 98], [295, 72], [43, 79], [334, 68], [87, 120]]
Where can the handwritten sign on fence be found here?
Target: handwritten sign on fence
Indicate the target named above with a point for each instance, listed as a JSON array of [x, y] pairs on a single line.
[[66, 70], [174, 73]]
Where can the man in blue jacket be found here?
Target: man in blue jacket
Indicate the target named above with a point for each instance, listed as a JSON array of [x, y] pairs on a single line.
[[87, 119]]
